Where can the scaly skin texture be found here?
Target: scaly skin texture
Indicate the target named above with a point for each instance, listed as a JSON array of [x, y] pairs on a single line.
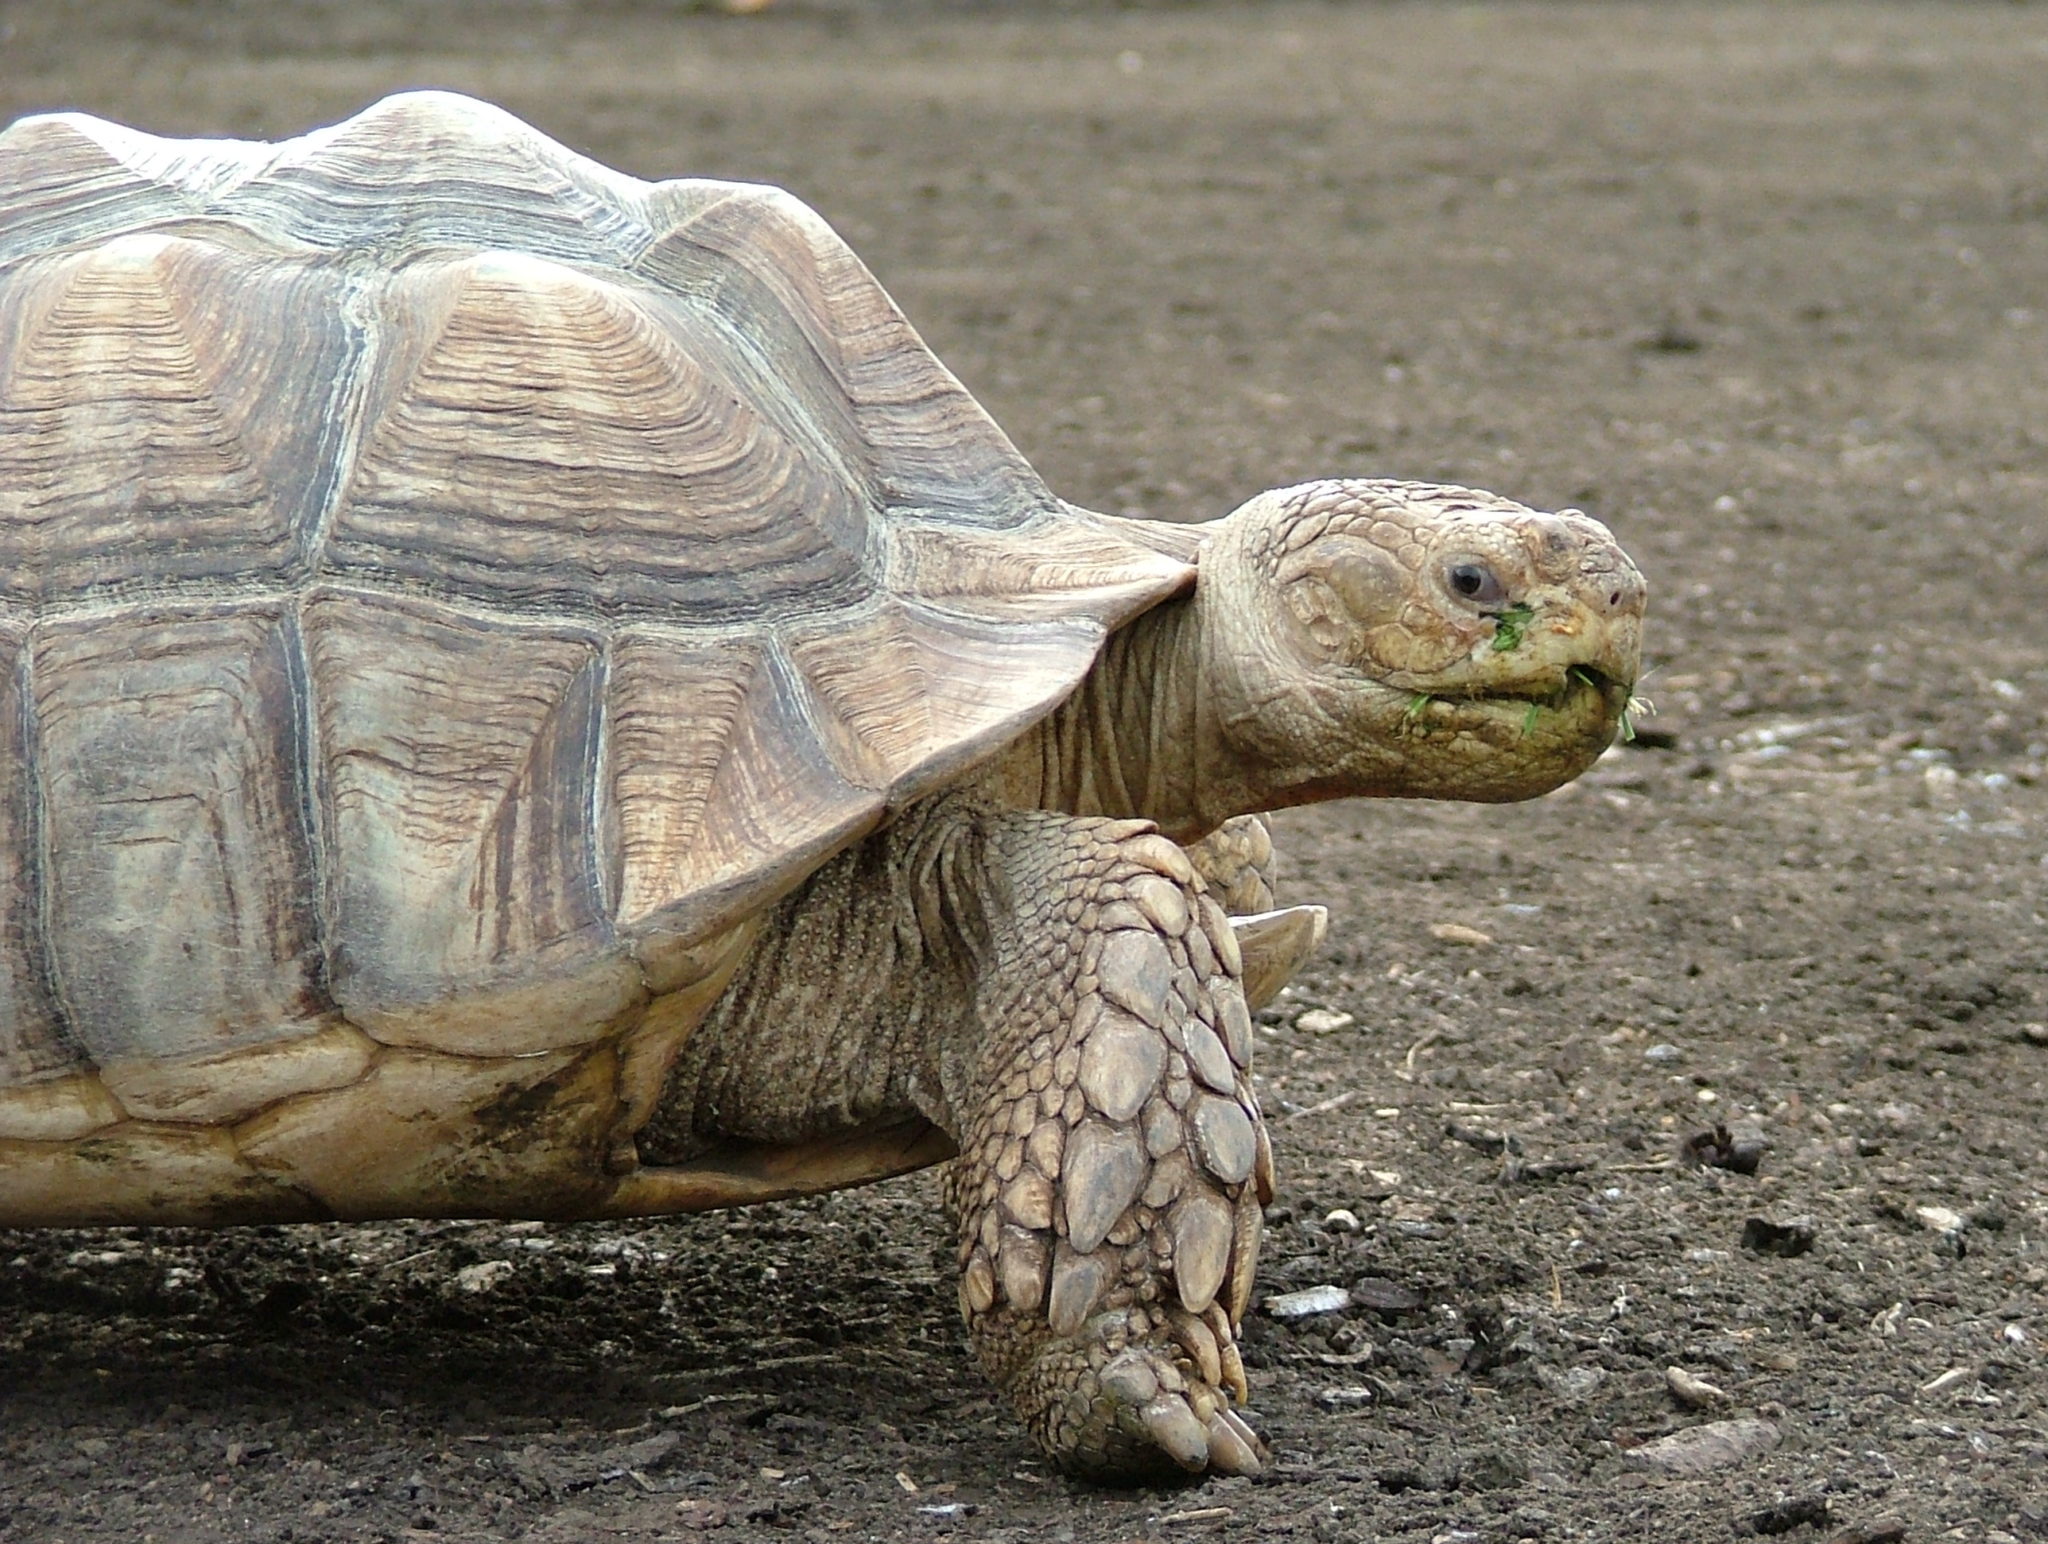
[[1061, 997], [1049, 982], [1238, 864], [1327, 652]]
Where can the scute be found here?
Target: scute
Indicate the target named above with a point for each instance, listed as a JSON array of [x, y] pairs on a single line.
[[444, 582]]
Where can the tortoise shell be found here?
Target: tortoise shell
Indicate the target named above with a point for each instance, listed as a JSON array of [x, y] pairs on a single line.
[[446, 588]]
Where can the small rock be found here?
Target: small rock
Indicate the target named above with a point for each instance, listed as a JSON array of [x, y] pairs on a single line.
[[1384, 1296], [1492, 1143], [701, 1516], [1308, 1302], [1458, 933], [1663, 1053], [1703, 1449], [1693, 1393], [484, 1276], [1340, 1220], [1323, 1021], [1939, 1219], [1361, 1352], [1795, 1512], [1571, 1383], [1354, 1397], [1738, 1149], [1787, 1240], [1949, 1381], [2034, 1034]]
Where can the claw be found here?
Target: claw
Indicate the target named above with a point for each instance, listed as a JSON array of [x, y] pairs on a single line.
[[1233, 1446], [1233, 1374], [1199, 1341], [1172, 1425]]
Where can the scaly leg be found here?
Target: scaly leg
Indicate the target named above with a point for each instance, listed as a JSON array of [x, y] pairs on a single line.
[[1112, 1163], [1238, 863]]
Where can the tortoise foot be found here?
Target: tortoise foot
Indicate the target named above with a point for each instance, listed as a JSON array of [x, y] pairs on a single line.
[[1135, 1396], [1110, 1181]]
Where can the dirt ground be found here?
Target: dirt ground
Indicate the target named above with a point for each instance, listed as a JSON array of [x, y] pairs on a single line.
[[1764, 287]]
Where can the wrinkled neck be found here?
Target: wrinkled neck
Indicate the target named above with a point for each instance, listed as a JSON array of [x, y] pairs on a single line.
[[1136, 739]]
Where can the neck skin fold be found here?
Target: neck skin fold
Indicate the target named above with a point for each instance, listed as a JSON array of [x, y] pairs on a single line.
[[1138, 738]]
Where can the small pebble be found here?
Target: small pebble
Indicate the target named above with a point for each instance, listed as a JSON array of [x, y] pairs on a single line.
[[1340, 1220], [1787, 1240], [1353, 1397], [1939, 1219], [1663, 1053], [1693, 1393], [1308, 1302], [1739, 1149], [1458, 933], [484, 1276], [1572, 1383], [1703, 1449], [1323, 1021], [1953, 1379]]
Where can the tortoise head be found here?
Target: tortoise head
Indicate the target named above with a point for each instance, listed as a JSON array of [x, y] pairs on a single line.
[[1410, 640]]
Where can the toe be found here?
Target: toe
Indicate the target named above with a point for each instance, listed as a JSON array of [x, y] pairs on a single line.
[[1234, 1448], [1173, 1429]]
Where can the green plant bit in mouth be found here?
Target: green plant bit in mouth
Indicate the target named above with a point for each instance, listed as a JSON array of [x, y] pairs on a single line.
[[1417, 706], [1509, 625], [1638, 707]]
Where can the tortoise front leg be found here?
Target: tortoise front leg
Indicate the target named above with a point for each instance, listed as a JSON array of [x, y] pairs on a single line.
[[1112, 1164]]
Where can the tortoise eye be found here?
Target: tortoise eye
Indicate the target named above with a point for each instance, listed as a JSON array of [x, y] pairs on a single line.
[[1475, 582]]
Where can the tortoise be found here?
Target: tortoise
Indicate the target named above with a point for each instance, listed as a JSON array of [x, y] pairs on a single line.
[[531, 693]]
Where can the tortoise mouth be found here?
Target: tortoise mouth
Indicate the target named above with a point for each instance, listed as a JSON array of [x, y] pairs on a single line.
[[1580, 694]]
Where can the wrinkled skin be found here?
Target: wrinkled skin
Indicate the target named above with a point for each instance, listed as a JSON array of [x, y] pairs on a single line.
[[1028, 967]]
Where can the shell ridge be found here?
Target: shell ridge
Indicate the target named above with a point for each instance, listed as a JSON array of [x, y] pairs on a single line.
[[682, 802], [576, 706], [857, 759], [453, 157], [309, 785], [434, 724], [345, 422]]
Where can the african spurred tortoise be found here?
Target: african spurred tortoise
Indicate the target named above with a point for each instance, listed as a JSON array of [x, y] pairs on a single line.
[[532, 693]]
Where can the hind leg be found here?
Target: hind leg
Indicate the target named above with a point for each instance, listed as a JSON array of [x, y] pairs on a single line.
[[1112, 1162], [1238, 863]]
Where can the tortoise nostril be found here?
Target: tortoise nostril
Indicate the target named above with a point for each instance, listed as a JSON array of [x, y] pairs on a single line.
[[1614, 599]]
